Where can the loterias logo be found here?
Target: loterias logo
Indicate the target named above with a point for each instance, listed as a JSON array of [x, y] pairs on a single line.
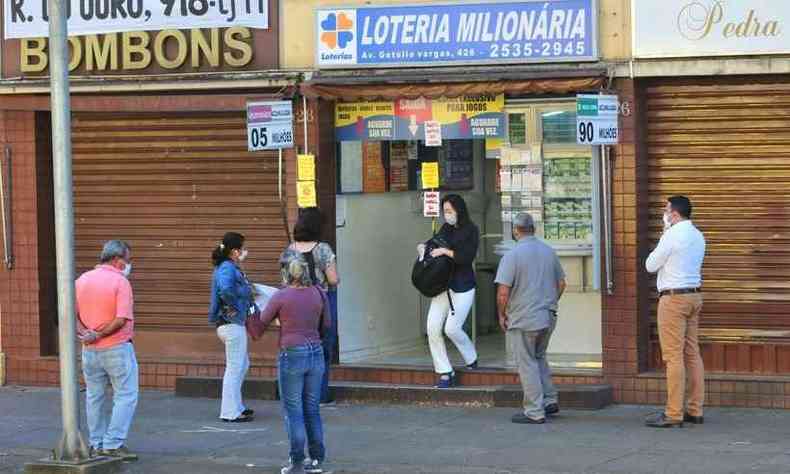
[[338, 42]]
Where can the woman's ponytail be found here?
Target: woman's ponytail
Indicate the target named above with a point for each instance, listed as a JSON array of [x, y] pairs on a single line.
[[230, 241]]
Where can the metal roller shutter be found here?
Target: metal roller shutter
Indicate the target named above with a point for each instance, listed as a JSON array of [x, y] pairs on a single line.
[[727, 147], [171, 185]]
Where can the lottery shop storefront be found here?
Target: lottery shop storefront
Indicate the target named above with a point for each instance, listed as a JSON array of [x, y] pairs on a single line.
[[506, 147]]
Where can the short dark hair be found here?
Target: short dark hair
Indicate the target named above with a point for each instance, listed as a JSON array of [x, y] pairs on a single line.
[[459, 205], [681, 205], [309, 225]]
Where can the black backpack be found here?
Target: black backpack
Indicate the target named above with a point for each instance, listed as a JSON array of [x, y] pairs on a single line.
[[431, 276]]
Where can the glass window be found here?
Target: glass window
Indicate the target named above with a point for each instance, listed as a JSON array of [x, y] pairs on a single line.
[[567, 199], [456, 169], [517, 129], [379, 167], [350, 167], [559, 126]]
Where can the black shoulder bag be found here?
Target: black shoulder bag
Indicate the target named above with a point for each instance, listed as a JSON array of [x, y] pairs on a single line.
[[431, 275]]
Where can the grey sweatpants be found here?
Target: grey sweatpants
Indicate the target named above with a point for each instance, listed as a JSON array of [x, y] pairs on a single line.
[[529, 350]]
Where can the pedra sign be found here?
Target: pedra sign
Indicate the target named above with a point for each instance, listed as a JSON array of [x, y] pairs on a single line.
[[144, 37], [701, 28]]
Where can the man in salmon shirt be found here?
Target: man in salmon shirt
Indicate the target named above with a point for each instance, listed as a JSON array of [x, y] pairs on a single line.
[[105, 324]]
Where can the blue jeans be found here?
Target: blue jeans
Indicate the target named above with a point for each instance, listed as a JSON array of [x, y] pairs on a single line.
[[330, 341], [299, 374], [118, 367]]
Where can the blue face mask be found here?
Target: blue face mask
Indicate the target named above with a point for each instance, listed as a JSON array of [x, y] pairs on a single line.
[[451, 218]]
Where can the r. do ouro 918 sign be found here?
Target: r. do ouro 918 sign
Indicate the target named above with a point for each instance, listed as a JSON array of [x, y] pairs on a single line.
[[269, 125], [30, 18]]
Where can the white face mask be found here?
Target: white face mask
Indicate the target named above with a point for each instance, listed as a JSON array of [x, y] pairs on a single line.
[[667, 221], [127, 270], [243, 255], [451, 219]]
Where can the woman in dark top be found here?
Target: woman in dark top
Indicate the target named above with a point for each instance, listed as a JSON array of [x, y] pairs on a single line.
[[301, 308], [444, 316], [307, 246]]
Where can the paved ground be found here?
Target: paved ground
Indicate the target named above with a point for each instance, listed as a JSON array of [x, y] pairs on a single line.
[[175, 435]]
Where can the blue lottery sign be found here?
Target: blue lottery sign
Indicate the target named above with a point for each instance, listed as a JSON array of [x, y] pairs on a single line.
[[463, 33]]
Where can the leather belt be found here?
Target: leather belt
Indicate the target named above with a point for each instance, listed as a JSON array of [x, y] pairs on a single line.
[[680, 291]]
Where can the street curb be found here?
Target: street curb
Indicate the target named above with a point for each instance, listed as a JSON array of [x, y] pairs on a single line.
[[584, 397]]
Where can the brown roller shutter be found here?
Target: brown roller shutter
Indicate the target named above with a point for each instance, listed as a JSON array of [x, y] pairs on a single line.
[[171, 185], [727, 147]]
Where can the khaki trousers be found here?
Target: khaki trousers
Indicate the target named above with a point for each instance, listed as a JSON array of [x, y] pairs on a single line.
[[678, 323]]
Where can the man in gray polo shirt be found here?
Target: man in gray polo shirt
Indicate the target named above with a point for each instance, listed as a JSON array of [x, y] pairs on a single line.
[[531, 282]]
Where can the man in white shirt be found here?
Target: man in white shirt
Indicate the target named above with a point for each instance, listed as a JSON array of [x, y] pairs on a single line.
[[678, 261]]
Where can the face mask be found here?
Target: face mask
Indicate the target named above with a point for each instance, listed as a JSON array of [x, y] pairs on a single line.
[[667, 221], [451, 219], [243, 255], [127, 270]]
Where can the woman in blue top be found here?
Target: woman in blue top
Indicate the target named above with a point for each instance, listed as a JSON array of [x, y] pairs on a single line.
[[231, 303]]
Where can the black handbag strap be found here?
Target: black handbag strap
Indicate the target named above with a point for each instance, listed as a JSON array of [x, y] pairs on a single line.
[[308, 256], [324, 305]]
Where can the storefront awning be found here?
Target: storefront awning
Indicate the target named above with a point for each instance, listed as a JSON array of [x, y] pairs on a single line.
[[150, 102], [511, 81]]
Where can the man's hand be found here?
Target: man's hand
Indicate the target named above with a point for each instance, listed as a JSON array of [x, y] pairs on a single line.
[[88, 336], [561, 286], [108, 329], [503, 323], [502, 299]]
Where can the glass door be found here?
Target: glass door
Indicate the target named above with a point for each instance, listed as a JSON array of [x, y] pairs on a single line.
[[544, 172]]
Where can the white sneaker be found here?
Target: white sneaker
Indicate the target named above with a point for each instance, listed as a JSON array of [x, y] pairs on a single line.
[[292, 468], [313, 466]]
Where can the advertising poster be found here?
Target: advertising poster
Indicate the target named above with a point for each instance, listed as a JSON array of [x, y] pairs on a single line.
[[467, 117]]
